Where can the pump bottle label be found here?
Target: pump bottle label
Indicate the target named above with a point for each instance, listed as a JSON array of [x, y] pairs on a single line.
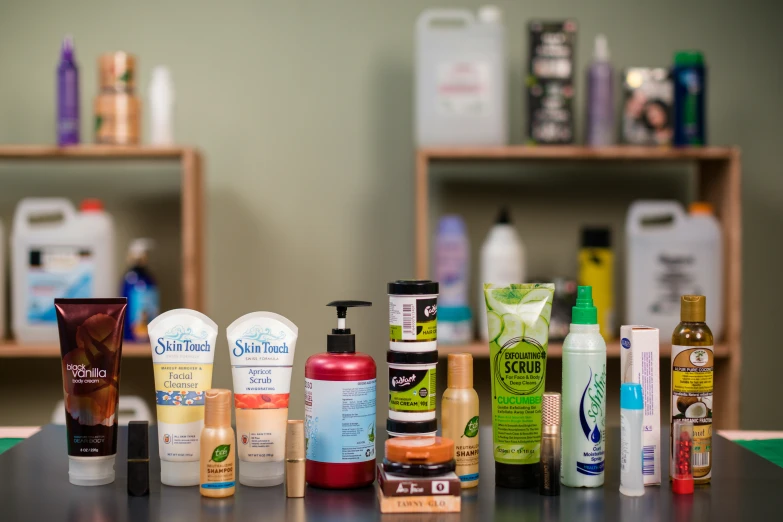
[[340, 420]]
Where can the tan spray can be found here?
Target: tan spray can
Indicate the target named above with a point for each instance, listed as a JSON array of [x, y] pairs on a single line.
[[460, 417]]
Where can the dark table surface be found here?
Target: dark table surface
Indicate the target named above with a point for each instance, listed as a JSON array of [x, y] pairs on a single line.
[[34, 486]]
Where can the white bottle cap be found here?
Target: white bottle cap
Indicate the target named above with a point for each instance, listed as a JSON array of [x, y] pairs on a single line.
[[261, 474], [140, 246], [601, 49], [91, 471], [490, 14], [180, 473], [161, 84]]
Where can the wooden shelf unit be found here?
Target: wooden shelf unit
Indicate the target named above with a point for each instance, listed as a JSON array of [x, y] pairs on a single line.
[[718, 172], [192, 234], [29, 351]]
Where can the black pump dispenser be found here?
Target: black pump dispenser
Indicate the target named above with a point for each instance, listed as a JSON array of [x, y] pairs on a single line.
[[341, 340]]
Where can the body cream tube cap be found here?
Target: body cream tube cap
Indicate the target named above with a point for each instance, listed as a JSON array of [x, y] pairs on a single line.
[[261, 474], [180, 473], [91, 471]]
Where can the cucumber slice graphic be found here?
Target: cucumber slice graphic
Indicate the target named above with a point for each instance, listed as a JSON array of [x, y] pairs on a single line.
[[539, 331], [494, 325], [513, 329], [503, 299]]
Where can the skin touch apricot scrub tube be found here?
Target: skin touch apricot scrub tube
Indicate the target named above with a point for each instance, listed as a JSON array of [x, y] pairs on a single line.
[[262, 346], [183, 348], [518, 326]]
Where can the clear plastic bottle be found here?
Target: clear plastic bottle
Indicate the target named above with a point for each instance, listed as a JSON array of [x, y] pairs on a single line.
[[584, 397]]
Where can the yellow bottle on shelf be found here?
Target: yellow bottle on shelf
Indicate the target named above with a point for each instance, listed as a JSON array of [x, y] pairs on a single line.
[[596, 269], [218, 451]]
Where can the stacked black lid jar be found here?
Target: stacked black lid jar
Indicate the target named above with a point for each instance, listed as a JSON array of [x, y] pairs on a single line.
[[412, 357]]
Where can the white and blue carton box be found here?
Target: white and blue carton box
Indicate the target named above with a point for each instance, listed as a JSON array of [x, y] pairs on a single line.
[[640, 363]]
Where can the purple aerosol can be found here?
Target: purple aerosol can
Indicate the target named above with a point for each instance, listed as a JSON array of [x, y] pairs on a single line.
[[67, 96], [600, 97]]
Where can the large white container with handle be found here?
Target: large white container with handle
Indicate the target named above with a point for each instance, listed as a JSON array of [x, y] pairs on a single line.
[[461, 79], [57, 252], [669, 254]]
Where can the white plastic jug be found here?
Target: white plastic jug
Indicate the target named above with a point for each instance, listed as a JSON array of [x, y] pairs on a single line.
[[461, 79], [57, 252], [670, 254]]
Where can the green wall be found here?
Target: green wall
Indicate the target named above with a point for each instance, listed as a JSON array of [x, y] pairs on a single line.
[[304, 113]]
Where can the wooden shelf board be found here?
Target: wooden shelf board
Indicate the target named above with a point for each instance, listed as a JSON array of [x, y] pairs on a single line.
[[480, 350], [579, 153], [11, 349], [106, 152]]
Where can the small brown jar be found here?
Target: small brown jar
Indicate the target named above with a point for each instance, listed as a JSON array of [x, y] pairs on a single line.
[[117, 108]]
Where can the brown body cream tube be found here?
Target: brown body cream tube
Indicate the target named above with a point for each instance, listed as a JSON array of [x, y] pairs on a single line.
[[91, 348]]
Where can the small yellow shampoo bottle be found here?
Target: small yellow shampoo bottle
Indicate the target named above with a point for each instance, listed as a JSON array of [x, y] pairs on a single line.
[[460, 417], [218, 453]]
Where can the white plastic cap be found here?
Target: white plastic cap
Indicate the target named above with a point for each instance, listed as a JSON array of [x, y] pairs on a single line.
[[601, 49], [161, 84], [261, 474], [91, 471], [180, 473], [140, 246], [490, 14]]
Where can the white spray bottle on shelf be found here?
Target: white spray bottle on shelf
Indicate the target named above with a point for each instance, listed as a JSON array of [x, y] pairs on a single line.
[[584, 397], [161, 103], [502, 263]]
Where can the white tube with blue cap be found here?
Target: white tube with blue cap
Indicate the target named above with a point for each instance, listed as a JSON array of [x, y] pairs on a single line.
[[631, 417]]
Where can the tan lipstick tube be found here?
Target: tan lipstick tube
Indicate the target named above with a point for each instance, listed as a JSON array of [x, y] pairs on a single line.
[[295, 459]]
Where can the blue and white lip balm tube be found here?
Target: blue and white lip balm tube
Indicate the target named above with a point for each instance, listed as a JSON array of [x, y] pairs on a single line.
[[631, 417]]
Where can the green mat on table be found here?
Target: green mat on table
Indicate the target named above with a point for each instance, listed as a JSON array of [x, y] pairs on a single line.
[[7, 444], [770, 449]]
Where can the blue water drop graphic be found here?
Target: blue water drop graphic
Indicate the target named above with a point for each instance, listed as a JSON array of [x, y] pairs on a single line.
[[596, 435]]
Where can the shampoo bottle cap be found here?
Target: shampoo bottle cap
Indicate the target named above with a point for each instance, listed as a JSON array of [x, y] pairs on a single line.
[[217, 411], [460, 372], [341, 340], [584, 312]]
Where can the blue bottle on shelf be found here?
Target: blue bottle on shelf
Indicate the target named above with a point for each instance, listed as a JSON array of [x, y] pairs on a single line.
[[139, 287], [689, 76]]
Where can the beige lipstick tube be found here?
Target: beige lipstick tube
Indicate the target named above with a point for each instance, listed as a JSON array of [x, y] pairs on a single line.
[[295, 459]]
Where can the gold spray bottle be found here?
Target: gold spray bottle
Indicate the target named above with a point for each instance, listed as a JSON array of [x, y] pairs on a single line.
[[460, 418], [218, 452]]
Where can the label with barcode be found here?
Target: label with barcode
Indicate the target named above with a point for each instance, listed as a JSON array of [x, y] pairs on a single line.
[[408, 320], [413, 318], [648, 460], [701, 460]]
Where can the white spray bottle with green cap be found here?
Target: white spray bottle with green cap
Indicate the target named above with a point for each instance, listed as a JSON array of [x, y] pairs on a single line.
[[584, 397]]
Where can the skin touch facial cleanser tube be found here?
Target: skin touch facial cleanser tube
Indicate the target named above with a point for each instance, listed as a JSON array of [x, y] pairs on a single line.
[[518, 326], [91, 347], [183, 348], [262, 347]]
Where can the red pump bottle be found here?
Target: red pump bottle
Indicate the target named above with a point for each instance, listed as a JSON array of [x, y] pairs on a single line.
[[340, 449]]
